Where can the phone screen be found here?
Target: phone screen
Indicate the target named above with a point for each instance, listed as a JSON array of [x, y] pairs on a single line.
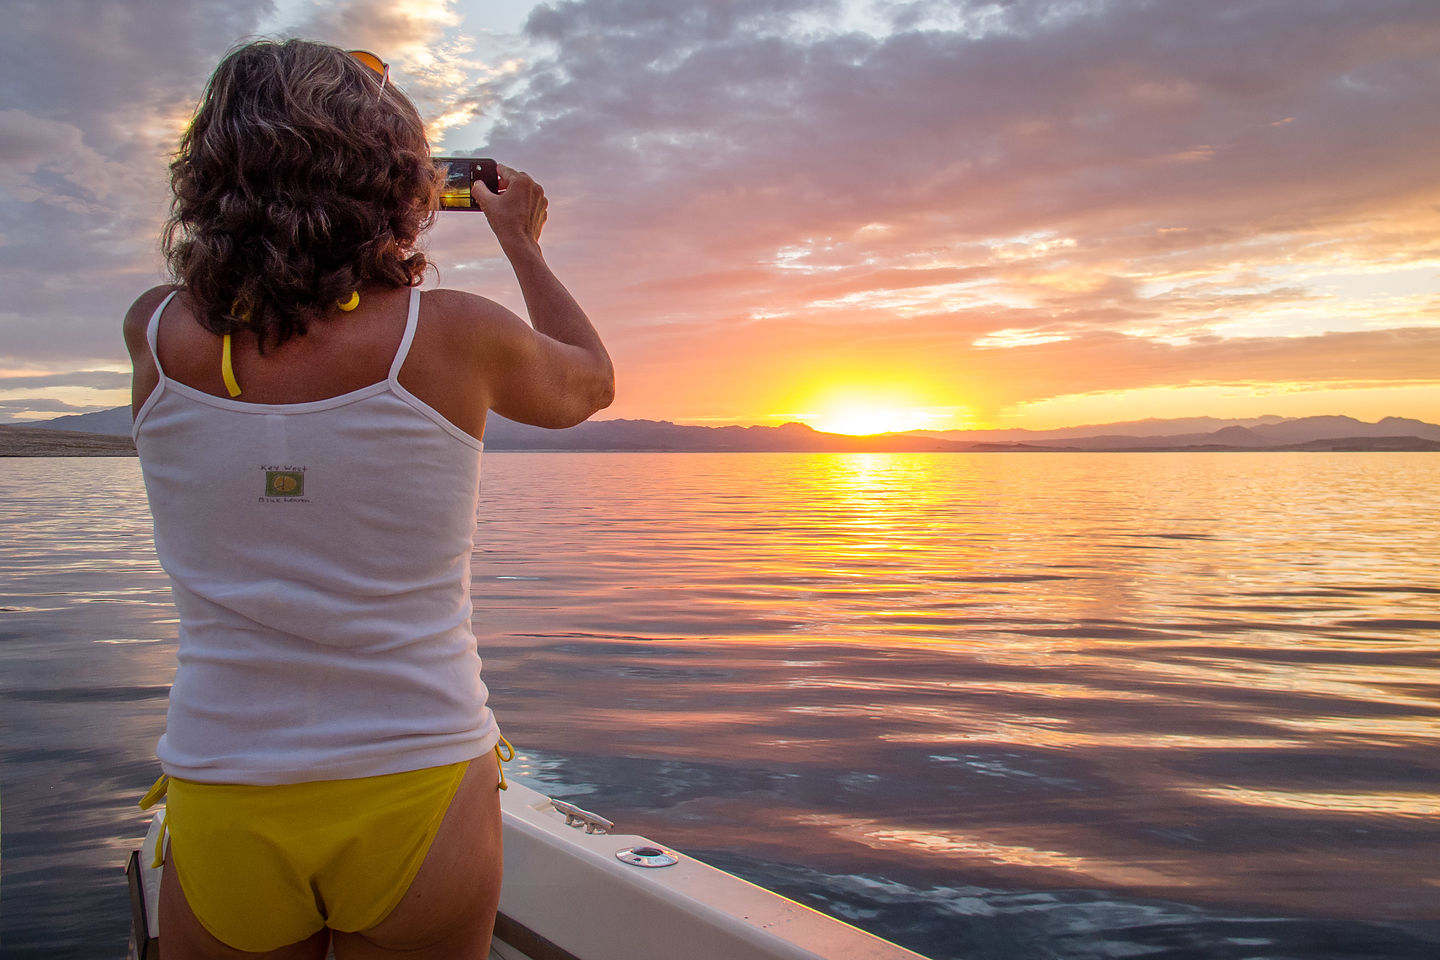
[[460, 172]]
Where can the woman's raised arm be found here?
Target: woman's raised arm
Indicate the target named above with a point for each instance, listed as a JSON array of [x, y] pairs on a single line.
[[559, 373]]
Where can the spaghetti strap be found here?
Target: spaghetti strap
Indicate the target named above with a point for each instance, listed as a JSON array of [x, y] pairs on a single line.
[[152, 331], [411, 320]]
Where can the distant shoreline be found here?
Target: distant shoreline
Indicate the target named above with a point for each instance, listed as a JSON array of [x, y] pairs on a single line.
[[37, 442], [106, 433]]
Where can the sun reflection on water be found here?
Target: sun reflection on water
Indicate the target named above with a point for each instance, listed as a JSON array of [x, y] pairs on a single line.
[[1390, 804]]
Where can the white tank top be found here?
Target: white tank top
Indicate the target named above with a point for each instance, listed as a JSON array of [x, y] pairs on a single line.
[[320, 558]]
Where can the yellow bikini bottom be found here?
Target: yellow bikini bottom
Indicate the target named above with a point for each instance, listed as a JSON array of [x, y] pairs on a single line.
[[265, 866]]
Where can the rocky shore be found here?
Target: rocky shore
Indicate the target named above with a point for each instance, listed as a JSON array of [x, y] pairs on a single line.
[[39, 442]]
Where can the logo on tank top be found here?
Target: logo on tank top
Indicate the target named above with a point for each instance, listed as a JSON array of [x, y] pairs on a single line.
[[284, 484]]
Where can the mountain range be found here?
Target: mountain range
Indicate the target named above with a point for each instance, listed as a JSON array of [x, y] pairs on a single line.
[[1185, 434]]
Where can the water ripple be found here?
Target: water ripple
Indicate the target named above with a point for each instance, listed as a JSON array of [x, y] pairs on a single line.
[[1010, 707]]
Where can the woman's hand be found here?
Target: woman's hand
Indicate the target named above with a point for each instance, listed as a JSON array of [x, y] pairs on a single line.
[[518, 211]]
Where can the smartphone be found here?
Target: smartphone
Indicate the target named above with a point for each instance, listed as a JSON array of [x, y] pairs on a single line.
[[460, 172]]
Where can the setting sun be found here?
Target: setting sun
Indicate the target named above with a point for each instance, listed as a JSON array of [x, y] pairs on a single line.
[[860, 419], [858, 408]]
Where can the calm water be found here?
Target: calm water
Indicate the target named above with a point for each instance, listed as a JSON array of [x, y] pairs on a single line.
[[992, 706]]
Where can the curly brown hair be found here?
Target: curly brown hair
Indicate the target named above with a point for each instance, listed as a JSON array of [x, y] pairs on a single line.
[[300, 179]]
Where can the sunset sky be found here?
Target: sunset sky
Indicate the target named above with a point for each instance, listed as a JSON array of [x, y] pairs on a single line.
[[861, 215]]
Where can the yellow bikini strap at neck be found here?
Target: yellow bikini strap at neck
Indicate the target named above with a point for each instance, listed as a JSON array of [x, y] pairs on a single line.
[[227, 369], [227, 372]]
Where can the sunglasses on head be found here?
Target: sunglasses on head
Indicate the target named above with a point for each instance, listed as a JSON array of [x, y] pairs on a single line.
[[374, 63]]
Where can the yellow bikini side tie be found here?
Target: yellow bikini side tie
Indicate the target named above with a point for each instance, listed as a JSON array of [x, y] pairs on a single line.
[[501, 759], [153, 796]]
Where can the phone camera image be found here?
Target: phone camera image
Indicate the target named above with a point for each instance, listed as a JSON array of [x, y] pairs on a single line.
[[460, 173]]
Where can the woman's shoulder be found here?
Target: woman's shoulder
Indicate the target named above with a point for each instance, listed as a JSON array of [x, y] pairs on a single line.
[[137, 318], [446, 305], [468, 320]]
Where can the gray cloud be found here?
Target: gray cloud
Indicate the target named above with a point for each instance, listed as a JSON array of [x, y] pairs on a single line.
[[1120, 113], [45, 406], [94, 95], [97, 379]]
